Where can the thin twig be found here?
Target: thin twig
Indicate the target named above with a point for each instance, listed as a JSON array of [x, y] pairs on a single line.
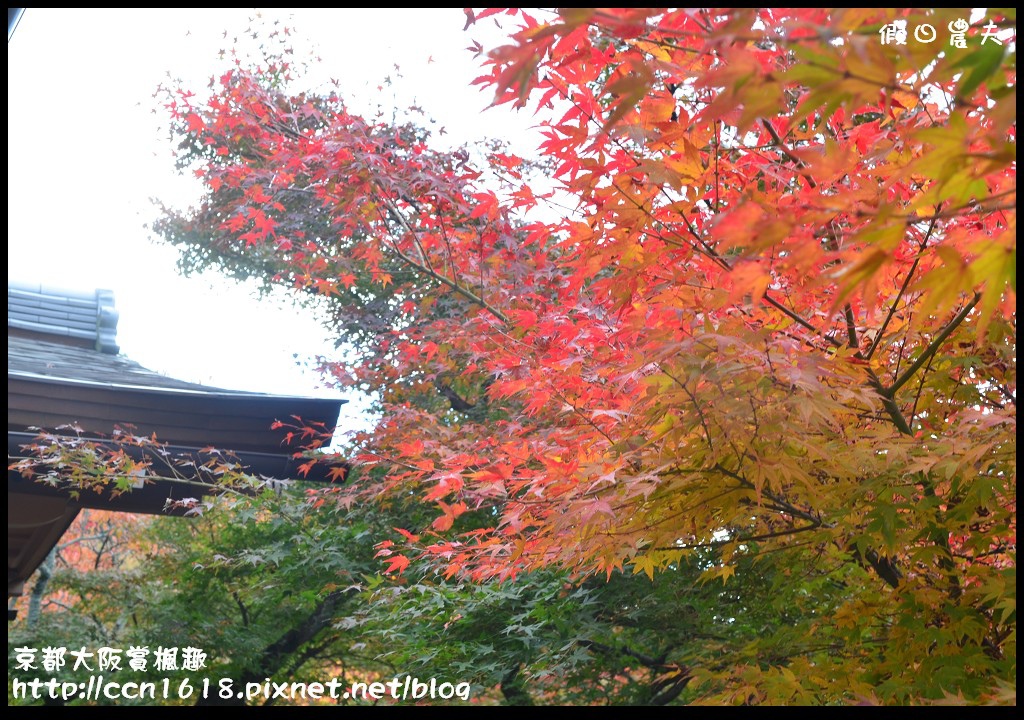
[[933, 346], [899, 296]]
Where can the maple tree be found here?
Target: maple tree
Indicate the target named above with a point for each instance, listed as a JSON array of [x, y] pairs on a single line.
[[774, 315]]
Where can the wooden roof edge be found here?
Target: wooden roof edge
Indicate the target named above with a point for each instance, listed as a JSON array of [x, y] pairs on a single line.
[[197, 391]]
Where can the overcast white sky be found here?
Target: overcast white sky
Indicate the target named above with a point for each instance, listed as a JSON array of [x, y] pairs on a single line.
[[85, 157]]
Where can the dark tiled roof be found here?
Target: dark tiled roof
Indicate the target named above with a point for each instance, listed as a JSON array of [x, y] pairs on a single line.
[[30, 357]]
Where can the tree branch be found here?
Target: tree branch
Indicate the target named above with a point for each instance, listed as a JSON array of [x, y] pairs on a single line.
[[274, 655], [513, 689], [744, 538], [437, 276], [903, 288], [933, 347], [851, 328], [242, 608], [456, 400], [786, 151]]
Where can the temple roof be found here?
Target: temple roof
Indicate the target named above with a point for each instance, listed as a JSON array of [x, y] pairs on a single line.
[[64, 369]]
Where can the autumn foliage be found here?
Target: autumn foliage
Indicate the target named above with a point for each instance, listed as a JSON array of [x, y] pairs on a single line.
[[762, 304]]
